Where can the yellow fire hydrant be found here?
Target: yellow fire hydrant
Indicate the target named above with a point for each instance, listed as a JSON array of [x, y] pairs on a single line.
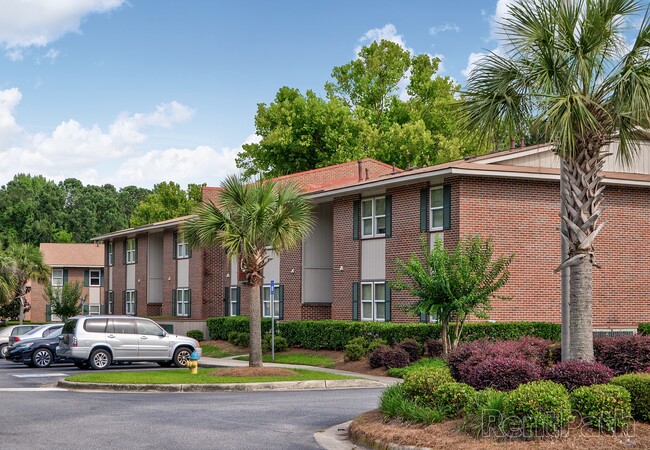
[[193, 363]]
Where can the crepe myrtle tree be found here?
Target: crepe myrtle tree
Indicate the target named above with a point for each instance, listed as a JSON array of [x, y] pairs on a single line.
[[567, 73], [65, 300], [452, 285], [248, 220]]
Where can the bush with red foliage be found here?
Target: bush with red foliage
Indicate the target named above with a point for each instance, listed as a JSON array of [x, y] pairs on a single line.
[[376, 358], [433, 348], [575, 374], [412, 348], [502, 373], [623, 354], [395, 358]]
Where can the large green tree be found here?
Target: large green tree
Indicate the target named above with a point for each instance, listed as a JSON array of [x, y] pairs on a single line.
[[66, 300], [26, 263], [168, 200], [7, 279], [247, 221], [568, 72]]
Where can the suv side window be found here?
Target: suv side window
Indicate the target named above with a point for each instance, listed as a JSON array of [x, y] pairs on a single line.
[[149, 328], [121, 326], [95, 325]]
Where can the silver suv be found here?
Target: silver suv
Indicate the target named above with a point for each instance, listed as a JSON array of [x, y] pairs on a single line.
[[98, 341]]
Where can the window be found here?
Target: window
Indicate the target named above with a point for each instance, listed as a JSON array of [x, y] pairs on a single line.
[[234, 301], [436, 218], [95, 278], [111, 257], [95, 325], [129, 309], [373, 217], [266, 302], [182, 249], [373, 301], [130, 251], [149, 328], [183, 302], [109, 302], [57, 277], [121, 326], [94, 310]]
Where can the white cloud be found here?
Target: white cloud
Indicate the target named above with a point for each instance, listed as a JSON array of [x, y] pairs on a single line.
[[37, 23], [9, 129], [472, 59], [387, 33], [500, 13], [443, 28]]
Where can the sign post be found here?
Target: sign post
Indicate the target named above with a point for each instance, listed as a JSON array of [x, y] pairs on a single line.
[[272, 320]]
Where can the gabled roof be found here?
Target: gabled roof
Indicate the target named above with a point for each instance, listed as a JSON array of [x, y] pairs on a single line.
[[73, 255], [164, 224]]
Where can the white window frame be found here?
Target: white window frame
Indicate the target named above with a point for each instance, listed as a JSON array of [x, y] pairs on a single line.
[[130, 251], [182, 249], [376, 303], [182, 302], [373, 217], [96, 276], [233, 301], [55, 278], [433, 208], [94, 310], [130, 303], [111, 254], [266, 301]]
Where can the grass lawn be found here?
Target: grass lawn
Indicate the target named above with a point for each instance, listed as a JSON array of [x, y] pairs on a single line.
[[212, 351], [183, 376], [434, 363], [297, 358]]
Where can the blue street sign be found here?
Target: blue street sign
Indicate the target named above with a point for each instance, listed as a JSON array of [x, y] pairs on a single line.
[[272, 287]]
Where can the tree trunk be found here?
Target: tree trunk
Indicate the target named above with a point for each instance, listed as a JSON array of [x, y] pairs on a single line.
[[255, 322], [581, 340], [21, 314]]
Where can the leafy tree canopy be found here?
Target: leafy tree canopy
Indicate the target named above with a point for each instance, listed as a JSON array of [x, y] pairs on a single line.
[[166, 201], [66, 300]]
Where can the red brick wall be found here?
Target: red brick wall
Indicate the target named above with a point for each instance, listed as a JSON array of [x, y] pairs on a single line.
[[119, 275], [316, 311], [196, 284], [292, 283], [215, 267], [347, 254], [169, 273], [141, 273]]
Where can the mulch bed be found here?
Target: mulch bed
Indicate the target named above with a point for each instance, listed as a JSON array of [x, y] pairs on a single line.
[[371, 427]]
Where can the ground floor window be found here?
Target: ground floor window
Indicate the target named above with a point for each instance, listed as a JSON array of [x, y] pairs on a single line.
[[373, 301], [266, 301], [234, 301], [130, 303], [183, 299]]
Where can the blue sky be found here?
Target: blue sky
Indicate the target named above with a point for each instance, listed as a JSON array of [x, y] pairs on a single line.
[[139, 92]]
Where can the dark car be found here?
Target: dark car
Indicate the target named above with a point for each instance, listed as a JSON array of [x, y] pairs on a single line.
[[37, 351]]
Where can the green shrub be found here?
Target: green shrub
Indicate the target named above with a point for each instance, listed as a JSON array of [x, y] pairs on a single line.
[[605, 407], [433, 363], [420, 385], [484, 416], [195, 334], [354, 352], [220, 327], [375, 344], [638, 385], [453, 398], [644, 328], [239, 338], [538, 408], [280, 343], [394, 403]]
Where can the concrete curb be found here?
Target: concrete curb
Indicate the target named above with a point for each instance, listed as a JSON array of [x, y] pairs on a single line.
[[271, 386]]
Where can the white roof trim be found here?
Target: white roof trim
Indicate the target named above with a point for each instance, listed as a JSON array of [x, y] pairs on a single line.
[[514, 155]]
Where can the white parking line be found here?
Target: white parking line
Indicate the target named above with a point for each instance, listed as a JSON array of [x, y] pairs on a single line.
[[41, 375], [30, 389]]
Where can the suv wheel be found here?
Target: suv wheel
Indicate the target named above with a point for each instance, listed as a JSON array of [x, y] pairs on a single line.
[[42, 358], [182, 356], [3, 350], [100, 359]]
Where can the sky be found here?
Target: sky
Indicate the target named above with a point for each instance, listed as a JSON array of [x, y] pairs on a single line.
[[143, 91]]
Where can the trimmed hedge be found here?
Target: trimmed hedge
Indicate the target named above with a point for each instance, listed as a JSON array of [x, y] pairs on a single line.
[[604, 407], [335, 334], [502, 373], [421, 384], [638, 385], [195, 334], [540, 408], [623, 354], [574, 374]]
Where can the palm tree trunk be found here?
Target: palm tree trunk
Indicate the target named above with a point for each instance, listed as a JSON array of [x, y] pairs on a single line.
[[255, 323], [580, 317]]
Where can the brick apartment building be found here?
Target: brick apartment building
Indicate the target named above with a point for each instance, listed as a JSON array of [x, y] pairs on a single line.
[[69, 263], [369, 214]]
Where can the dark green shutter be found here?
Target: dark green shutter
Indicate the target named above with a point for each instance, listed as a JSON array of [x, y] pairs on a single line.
[[106, 299], [389, 216], [226, 301], [355, 301], [446, 210], [189, 303], [280, 290], [423, 317], [101, 277], [65, 276], [238, 309], [189, 251], [86, 310], [86, 278], [135, 241], [101, 309], [48, 313], [124, 251], [111, 301], [387, 303], [174, 305], [424, 209], [135, 303], [356, 213], [175, 244], [123, 302]]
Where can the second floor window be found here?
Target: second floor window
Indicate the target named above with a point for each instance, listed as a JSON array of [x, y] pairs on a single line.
[[95, 278], [182, 249], [111, 257], [373, 217], [130, 251], [57, 277], [437, 209]]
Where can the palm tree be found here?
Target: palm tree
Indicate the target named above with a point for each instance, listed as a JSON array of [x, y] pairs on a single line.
[[567, 73], [7, 279], [247, 221], [26, 264]]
